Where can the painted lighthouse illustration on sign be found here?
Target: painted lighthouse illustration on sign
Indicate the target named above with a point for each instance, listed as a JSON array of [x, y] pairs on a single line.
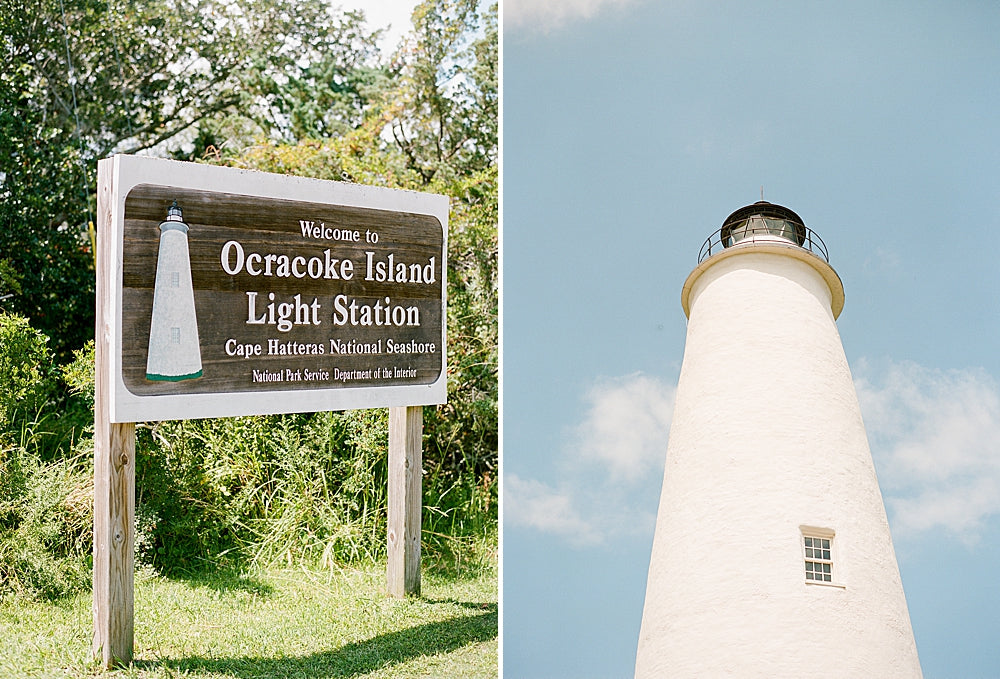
[[174, 349], [772, 555]]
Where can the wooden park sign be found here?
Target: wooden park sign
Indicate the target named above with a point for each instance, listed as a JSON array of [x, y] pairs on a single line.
[[224, 292]]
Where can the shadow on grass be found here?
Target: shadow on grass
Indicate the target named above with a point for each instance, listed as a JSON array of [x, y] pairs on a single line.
[[471, 605], [221, 579], [350, 660]]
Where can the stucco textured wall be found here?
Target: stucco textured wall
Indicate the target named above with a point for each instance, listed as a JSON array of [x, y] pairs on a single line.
[[767, 437]]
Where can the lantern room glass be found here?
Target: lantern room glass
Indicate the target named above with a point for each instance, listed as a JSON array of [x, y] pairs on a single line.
[[758, 226]]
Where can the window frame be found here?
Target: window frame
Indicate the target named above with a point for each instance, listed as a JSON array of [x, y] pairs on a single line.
[[828, 556]]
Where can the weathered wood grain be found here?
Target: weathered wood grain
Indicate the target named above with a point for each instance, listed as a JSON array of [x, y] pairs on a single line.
[[268, 225], [405, 501], [114, 471]]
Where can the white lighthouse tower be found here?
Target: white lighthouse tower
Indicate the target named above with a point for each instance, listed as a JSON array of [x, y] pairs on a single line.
[[174, 351], [772, 555]]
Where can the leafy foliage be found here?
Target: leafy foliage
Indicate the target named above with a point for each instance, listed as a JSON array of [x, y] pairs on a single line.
[[462, 435], [45, 524], [26, 364], [45, 504], [439, 113], [269, 489], [127, 76], [444, 113], [48, 269]]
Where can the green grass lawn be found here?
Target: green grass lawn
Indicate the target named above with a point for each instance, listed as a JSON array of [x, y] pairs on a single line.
[[278, 623]]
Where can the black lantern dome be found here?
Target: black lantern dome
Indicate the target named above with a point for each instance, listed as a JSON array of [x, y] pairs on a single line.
[[174, 220], [763, 221]]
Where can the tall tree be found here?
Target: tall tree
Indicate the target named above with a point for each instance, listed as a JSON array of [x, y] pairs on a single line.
[[444, 112], [47, 268], [131, 75]]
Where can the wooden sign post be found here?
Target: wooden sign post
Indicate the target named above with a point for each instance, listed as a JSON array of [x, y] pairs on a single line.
[[223, 292], [114, 476], [405, 433]]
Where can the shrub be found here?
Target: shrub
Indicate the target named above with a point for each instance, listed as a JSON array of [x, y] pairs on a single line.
[[266, 489], [46, 489], [26, 367], [46, 518]]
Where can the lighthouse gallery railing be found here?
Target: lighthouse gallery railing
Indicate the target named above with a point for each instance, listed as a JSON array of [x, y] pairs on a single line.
[[716, 242]]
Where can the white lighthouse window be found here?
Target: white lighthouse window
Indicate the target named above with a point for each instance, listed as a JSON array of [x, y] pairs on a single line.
[[175, 335], [818, 558], [175, 279]]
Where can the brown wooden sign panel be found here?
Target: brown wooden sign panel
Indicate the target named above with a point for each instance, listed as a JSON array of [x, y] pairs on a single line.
[[226, 292], [279, 306]]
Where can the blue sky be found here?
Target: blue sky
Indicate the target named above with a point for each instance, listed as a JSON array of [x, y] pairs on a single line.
[[630, 131]]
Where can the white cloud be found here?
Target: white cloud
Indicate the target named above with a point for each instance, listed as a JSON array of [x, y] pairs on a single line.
[[626, 424], [935, 435], [536, 505], [884, 261], [611, 466], [548, 15]]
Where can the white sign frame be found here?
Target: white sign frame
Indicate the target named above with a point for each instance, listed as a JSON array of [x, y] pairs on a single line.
[[127, 172]]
